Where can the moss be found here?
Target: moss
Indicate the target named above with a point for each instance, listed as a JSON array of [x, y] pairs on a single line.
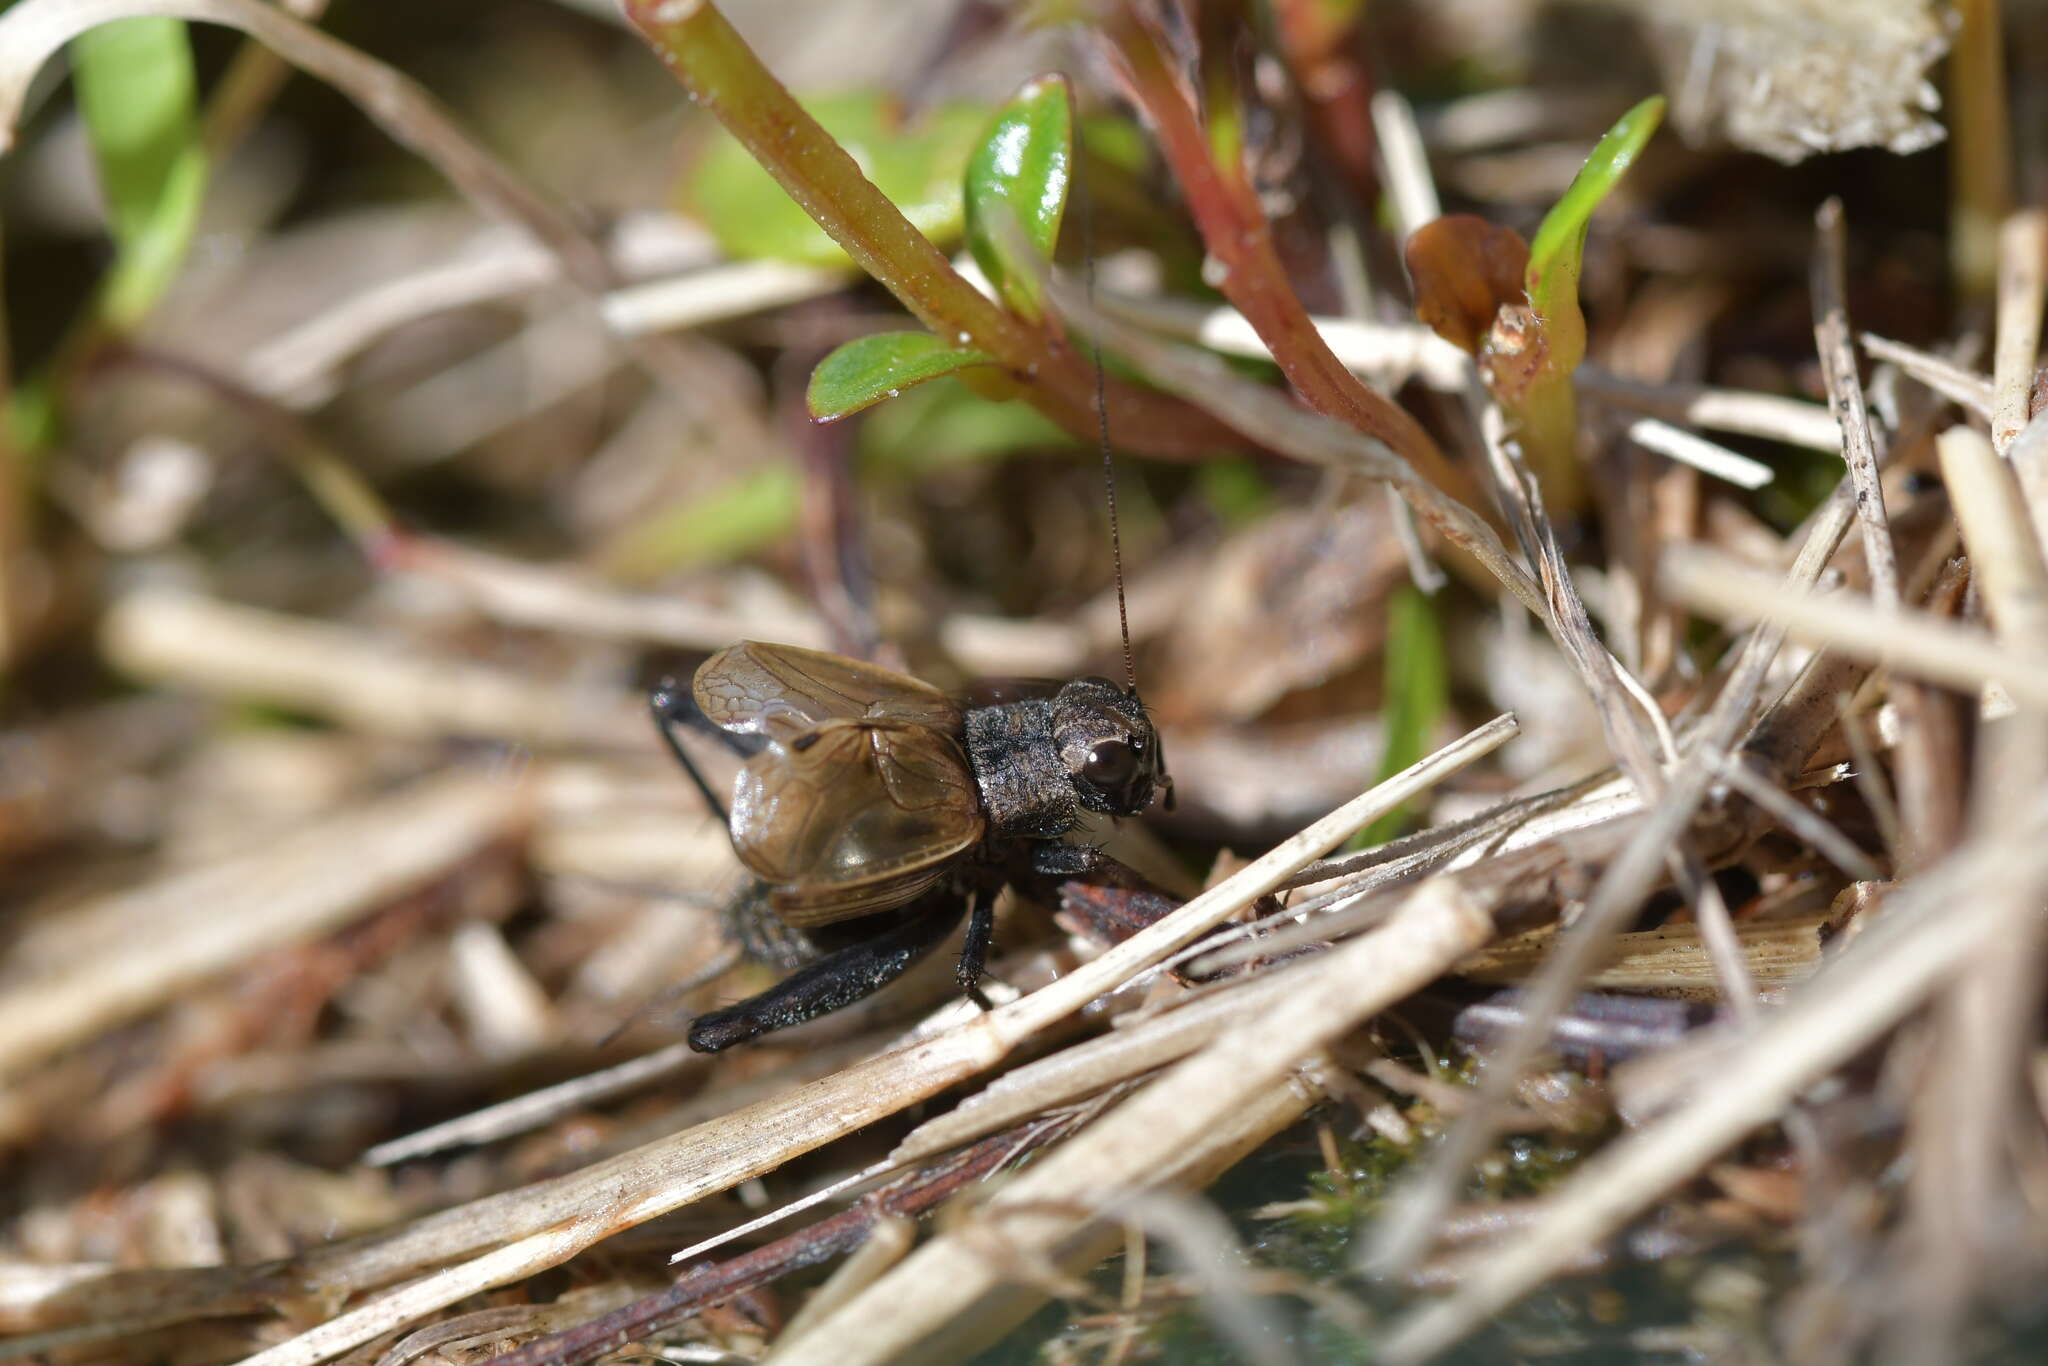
[[1294, 1214]]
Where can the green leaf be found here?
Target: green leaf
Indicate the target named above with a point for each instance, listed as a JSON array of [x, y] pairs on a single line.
[[1117, 141], [918, 168], [1017, 189], [1533, 379], [32, 417], [869, 369], [751, 512], [1554, 256], [138, 97], [944, 425], [1234, 488], [1418, 693]]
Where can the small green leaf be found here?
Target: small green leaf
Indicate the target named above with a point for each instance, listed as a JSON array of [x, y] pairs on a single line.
[[1115, 140], [751, 512], [138, 98], [869, 369], [1017, 184], [1418, 693], [1532, 377], [946, 424], [1554, 257], [918, 168]]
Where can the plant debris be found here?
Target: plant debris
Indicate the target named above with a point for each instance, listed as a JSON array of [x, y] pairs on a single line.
[[1590, 584]]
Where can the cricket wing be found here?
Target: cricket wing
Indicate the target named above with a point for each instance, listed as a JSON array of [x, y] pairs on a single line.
[[854, 817], [785, 690]]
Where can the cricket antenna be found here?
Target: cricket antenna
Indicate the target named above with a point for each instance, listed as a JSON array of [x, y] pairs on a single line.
[[1116, 543]]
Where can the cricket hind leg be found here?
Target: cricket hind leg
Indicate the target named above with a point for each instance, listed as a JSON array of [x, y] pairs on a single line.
[[857, 969], [676, 710]]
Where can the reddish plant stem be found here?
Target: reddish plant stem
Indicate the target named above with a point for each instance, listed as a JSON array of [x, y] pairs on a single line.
[[1240, 238], [707, 1283], [724, 75]]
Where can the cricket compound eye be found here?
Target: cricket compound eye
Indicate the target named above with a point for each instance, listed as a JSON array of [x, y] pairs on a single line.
[[1111, 765]]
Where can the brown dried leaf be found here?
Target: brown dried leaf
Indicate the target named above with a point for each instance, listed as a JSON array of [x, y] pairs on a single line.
[[1465, 270]]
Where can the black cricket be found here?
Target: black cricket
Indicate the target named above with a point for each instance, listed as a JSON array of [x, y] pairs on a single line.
[[876, 811]]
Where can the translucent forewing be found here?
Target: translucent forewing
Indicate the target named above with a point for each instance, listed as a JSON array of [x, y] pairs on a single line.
[[783, 690], [852, 817]]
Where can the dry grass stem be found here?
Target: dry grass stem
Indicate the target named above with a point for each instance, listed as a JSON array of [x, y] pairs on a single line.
[[715, 294], [540, 1226], [1792, 421], [1404, 165], [1516, 824], [1642, 744], [371, 448], [351, 675], [1909, 642], [1845, 400], [1409, 1223], [1344, 893], [1830, 842], [1634, 727], [1930, 927], [1670, 961], [567, 600], [130, 951], [1087, 1068], [1703, 455], [992, 1258], [887, 1243], [2005, 557], [523, 1114], [1136, 1144], [1953, 382], [2028, 456], [302, 366], [1392, 354], [1959, 1247], [2022, 287]]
